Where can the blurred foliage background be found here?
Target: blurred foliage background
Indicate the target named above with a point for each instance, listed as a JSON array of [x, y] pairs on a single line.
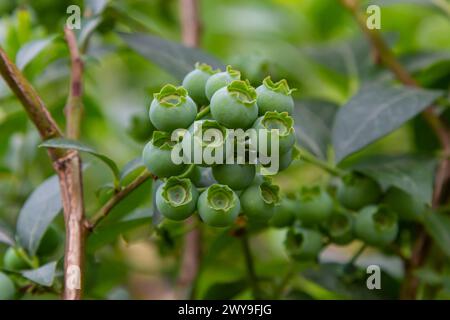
[[314, 44]]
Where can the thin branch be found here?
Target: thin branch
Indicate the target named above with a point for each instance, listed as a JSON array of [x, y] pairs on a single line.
[[118, 197], [386, 56], [252, 277], [190, 23], [74, 106]]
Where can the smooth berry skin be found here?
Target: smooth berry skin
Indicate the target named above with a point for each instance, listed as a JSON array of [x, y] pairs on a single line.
[[303, 244], [168, 117], [177, 212], [220, 80], [286, 141], [358, 191], [231, 112], [236, 176], [339, 227], [159, 162], [314, 206], [13, 261], [50, 242], [407, 207], [270, 100], [284, 215], [376, 226], [258, 201], [195, 83], [215, 216], [7, 288]]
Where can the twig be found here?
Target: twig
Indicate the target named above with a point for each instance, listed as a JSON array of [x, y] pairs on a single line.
[[74, 106], [190, 261], [118, 197], [421, 246], [252, 277], [68, 168], [202, 113]]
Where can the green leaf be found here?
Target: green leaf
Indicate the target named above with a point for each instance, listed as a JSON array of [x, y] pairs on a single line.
[[173, 57], [96, 6], [375, 111], [39, 210], [225, 290], [442, 5], [89, 26], [104, 235], [31, 50], [411, 173], [132, 168], [5, 236], [438, 227], [61, 143], [44, 275], [313, 120]]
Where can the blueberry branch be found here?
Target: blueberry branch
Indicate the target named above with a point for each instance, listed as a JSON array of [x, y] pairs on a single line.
[[252, 277], [309, 158]]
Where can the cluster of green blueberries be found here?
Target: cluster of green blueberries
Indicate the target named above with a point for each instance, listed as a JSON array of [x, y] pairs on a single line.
[[356, 209]]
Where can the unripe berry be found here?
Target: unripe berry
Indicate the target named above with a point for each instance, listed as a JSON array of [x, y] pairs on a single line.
[[274, 97], [376, 226], [339, 227], [195, 83], [357, 191], [218, 206], [176, 199], [258, 201], [172, 109], [285, 213], [236, 176], [407, 207], [7, 288], [220, 80], [303, 244], [234, 106], [13, 261], [315, 205], [157, 156], [278, 121]]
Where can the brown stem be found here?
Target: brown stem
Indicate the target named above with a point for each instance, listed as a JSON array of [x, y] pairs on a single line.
[[67, 165], [386, 56], [190, 263], [74, 106], [118, 197]]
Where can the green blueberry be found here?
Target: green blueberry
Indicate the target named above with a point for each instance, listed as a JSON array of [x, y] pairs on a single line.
[[176, 199], [285, 212], [315, 205], [236, 176], [282, 122], [357, 191], [339, 227], [157, 156], [12, 260], [206, 143], [220, 80], [376, 225], [218, 206], [234, 106], [303, 244], [274, 97], [7, 288], [405, 205], [195, 82], [172, 109], [50, 242], [259, 200]]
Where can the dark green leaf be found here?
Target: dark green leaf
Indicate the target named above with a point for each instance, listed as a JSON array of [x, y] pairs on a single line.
[[225, 290], [173, 57], [89, 26], [411, 173], [130, 168], [438, 227], [76, 145], [37, 213], [375, 111], [30, 50], [44, 275], [313, 121]]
